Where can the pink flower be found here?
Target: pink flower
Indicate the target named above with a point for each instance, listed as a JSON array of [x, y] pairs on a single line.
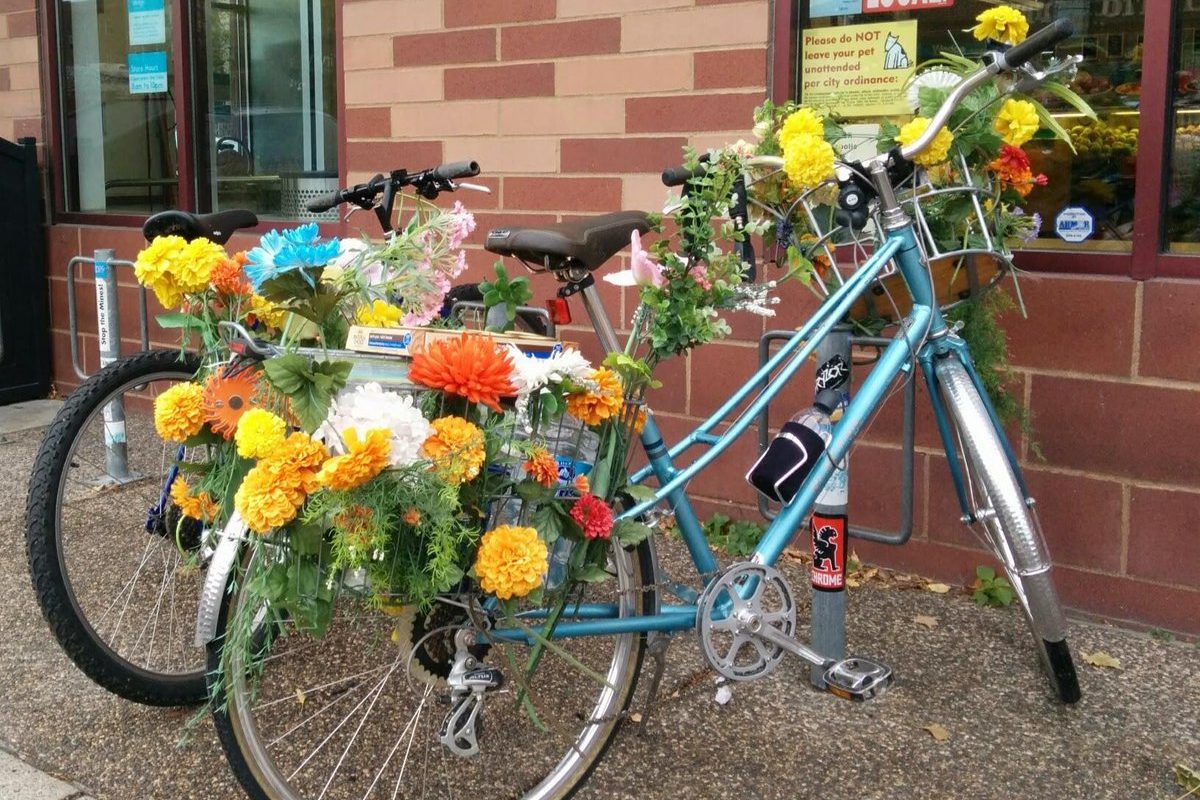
[[594, 516], [643, 270], [700, 276], [463, 223]]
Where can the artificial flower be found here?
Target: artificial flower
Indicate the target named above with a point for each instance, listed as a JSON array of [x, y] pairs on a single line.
[[363, 460], [229, 277], [1017, 122], [193, 269], [263, 501], [542, 467], [355, 525], [155, 269], [938, 149], [1002, 24], [531, 373], [379, 314], [267, 312], [581, 484], [179, 412], [412, 517], [294, 250], [802, 122], [511, 561], [593, 406], [635, 417], [1013, 170], [594, 516], [258, 433], [194, 506], [467, 366], [228, 394], [369, 406], [456, 448], [643, 270], [808, 161]]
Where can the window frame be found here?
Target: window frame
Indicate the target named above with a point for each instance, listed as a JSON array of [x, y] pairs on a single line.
[[1148, 256], [183, 89]]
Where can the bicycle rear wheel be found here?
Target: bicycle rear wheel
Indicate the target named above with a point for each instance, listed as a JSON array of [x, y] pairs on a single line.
[[118, 583], [352, 715], [1008, 525]]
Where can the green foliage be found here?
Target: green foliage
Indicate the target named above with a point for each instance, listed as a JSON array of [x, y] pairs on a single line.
[[310, 385], [736, 537], [990, 589], [507, 292], [1162, 635]]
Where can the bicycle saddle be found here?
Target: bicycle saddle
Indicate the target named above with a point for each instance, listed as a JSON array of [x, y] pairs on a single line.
[[590, 241], [216, 227]]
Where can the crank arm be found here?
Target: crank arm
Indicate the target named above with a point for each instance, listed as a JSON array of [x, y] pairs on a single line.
[[792, 646]]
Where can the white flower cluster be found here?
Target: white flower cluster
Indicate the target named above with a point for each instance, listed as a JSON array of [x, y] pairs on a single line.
[[368, 407], [531, 373]]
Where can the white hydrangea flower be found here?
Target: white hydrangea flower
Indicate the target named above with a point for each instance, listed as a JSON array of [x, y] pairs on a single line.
[[368, 407], [531, 373]]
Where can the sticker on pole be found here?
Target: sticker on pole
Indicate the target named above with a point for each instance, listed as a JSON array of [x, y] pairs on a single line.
[[828, 572], [1074, 224]]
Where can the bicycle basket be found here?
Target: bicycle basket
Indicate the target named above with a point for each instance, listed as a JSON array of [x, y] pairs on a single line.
[[955, 213]]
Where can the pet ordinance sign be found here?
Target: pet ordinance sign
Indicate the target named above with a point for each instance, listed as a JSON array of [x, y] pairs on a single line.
[[858, 70]]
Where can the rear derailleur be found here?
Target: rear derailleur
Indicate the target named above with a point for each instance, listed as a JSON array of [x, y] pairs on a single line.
[[469, 681]]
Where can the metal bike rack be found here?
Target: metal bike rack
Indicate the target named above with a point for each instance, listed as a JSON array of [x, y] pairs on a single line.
[[108, 331], [828, 634]]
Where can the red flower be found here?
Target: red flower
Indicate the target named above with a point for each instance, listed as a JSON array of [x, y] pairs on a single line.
[[594, 516]]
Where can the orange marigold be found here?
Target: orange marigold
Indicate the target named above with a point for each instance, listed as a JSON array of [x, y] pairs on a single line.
[[581, 484], [228, 278], [355, 526], [264, 501], [593, 407], [227, 395], [456, 448], [196, 506], [364, 459], [179, 412], [412, 517], [542, 467], [511, 561], [468, 366]]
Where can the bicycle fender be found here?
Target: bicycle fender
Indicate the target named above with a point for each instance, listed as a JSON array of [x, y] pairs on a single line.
[[216, 579]]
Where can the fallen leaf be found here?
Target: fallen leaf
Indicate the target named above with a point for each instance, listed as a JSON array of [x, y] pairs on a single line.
[[937, 732], [928, 622], [635, 717], [301, 696], [1188, 778], [939, 588], [1102, 659], [395, 634], [852, 583]]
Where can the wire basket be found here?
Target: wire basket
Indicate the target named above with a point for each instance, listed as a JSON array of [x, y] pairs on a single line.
[[954, 210]]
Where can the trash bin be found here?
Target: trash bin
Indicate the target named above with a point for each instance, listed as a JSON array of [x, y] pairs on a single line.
[[297, 188]]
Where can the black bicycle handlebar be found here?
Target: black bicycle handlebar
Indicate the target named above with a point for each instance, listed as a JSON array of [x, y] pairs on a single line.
[[429, 183], [459, 169], [1044, 39], [678, 176]]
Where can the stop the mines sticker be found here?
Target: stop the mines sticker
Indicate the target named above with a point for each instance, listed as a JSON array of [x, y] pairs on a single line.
[[829, 552]]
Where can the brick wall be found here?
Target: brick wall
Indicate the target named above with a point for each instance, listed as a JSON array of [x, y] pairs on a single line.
[[574, 107], [20, 96]]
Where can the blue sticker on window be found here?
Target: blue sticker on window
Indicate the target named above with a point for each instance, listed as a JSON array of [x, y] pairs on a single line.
[[1074, 224], [148, 72]]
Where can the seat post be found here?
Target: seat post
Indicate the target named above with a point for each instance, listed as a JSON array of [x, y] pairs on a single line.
[[601, 323]]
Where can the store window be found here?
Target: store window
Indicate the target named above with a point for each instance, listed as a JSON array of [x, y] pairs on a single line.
[[1097, 180], [1183, 190], [258, 82]]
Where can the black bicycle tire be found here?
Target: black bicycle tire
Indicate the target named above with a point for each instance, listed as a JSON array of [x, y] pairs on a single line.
[[50, 584], [243, 772], [1055, 655]]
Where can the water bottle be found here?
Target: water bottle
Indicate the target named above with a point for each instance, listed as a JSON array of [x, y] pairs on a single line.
[[795, 451]]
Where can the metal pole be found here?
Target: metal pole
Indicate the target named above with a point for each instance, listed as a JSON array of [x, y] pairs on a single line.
[[108, 323], [829, 518]]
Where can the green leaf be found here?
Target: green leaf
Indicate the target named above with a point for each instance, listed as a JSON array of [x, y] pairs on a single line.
[[287, 373], [276, 582], [592, 574], [1067, 95], [639, 492], [306, 539], [237, 474], [980, 597], [985, 573], [203, 438], [176, 319], [630, 532], [1002, 595], [532, 491], [1050, 122]]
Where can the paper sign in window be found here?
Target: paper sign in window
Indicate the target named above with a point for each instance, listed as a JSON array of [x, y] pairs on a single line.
[[148, 72], [147, 21]]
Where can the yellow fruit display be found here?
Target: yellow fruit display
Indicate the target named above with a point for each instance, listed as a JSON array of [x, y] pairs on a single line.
[[1102, 141]]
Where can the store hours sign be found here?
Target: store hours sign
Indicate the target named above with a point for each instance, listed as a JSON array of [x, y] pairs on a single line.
[[858, 70]]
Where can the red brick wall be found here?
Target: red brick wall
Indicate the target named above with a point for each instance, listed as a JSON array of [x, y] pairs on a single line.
[[574, 107], [20, 97]]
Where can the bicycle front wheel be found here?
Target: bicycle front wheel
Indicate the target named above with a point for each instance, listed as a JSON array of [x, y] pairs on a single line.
[[115, 570], [359, 712], [1008, 526]]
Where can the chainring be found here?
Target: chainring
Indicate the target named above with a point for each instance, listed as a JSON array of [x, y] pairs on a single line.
[[732, 611]]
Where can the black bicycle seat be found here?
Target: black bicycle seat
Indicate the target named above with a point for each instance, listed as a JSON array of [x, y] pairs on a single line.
[[589, 242], [216, 227]]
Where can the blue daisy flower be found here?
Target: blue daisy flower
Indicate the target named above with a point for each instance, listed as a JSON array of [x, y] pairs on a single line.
[[292, 250]]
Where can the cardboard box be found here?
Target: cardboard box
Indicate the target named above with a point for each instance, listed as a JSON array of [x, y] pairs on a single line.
[[403, 342]]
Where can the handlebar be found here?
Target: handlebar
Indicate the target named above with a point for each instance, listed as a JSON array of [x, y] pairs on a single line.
[[429, 184]]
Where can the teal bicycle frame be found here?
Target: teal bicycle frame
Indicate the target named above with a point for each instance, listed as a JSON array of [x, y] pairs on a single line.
[[922, 334]]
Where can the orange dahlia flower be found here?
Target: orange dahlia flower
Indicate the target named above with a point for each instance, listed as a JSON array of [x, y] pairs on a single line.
[[593, 407], [364, 459], [468, 366], [542, 467]]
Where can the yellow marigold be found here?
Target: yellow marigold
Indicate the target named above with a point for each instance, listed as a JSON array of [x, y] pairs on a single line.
[[155, 269], [808, 161], [1017, 122], [364, 459], [267, 312], [937, 151], [378, 315], [542, 467], [194, 267], [802, 122], [263, 501], [593, 407], [179, 412], [259, 432], [196, 506], [511, 561], [456, 448], [1003, 23]]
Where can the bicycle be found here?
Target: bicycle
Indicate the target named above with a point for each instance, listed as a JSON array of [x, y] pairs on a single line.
[[122, 605], [332, 717]]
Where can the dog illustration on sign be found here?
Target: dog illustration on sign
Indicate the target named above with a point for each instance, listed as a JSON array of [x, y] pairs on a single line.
[[894, 54]]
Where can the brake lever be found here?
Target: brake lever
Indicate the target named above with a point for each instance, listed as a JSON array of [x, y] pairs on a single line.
[[475, 187], [1034, 77]]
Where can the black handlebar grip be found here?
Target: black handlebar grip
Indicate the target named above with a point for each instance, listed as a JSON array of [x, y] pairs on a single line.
[[459, 169], [324, 202], [1044, 39], [678, 176]]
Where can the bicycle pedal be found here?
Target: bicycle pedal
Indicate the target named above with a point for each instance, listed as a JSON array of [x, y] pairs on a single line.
[[858, 679]]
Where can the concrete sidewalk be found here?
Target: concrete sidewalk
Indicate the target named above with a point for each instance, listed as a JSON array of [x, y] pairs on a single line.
[[973, 673]]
